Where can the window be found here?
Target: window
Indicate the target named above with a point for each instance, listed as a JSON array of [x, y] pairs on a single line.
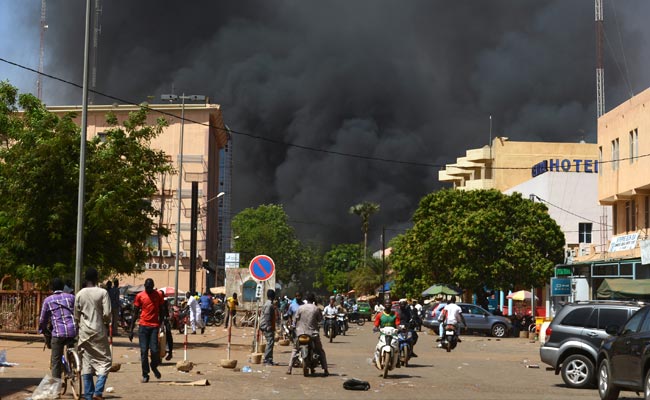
[[614, 219], [600, 160], [584, 232], [577, 317], [634, 323], [630, 215], [634, 145], [610, 317], [647, 211], [615, 154]]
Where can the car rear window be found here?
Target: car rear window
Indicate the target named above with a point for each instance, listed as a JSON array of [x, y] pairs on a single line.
[[601, 318], [577, 317]]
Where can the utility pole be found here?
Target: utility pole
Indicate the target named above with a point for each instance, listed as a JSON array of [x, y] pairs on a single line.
[[97, 29], [39, 79]]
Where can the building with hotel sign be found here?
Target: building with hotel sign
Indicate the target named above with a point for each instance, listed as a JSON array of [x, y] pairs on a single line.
[[564, 176], [624, 188]]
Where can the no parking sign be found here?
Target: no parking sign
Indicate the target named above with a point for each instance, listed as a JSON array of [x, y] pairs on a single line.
[[262, 267]]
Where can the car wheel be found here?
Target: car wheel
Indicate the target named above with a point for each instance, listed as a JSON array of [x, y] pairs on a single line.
[[578, 371], [646, 386], [499, 330], [606, 389]]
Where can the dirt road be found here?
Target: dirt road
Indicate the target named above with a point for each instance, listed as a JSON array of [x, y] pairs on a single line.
[[480, 368]]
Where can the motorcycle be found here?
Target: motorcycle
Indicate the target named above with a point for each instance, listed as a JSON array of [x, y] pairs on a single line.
[[329, 326], [125, 314], [405, 339], [387, 350], [450, 338], [341, 323], [288, 330], [182, 318], [307, 357], [216, 316]]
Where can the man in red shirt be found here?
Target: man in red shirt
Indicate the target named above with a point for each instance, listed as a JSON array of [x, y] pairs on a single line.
[[149, 304]]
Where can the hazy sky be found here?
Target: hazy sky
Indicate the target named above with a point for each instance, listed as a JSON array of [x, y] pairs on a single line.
[[413, 81]]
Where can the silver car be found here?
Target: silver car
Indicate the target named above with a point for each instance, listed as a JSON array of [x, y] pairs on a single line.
[[477, 319]]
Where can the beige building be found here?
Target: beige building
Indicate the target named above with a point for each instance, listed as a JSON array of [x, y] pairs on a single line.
[[204, 134], [624, 179], [505, 163]]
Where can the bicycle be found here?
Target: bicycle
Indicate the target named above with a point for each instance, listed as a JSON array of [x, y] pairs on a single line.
[[248, 319], [71, 373]]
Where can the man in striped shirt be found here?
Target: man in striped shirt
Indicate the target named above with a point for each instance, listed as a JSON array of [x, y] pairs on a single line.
[[58, 312]]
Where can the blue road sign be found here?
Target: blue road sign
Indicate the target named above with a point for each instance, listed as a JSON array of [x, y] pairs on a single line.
[[262, 267]]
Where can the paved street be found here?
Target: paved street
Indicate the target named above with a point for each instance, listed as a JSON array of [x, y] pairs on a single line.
[[481, 367]]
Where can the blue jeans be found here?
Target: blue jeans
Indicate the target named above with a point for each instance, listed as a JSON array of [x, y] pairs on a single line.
[[148, 338], [92, 389]]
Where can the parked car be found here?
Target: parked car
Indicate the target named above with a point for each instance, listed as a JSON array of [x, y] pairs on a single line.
[[477, 319], [624, 358], [430, 316], [575, 334], [364, 310]]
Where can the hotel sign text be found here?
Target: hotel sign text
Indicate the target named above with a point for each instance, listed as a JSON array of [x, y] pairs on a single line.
[[565, 165]]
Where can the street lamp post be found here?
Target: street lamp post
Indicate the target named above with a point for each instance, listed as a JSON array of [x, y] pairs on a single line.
[[216, 263], [183, 97]]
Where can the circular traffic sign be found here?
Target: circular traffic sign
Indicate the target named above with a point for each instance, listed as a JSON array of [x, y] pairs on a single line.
[[262, 267]]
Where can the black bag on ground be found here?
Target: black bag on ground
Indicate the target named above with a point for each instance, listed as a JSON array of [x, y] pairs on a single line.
[[355, 384]]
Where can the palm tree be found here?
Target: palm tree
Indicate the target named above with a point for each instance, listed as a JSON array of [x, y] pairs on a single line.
[[364, 211]]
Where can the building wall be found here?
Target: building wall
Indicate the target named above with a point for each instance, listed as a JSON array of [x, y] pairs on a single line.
[[204, 135], [624, 180], [507, 163], [571, 198]]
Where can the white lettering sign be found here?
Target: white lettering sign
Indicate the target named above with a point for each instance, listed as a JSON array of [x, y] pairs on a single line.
[[623, 242]]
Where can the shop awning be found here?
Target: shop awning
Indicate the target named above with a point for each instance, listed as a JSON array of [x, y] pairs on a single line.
[[624, 289]]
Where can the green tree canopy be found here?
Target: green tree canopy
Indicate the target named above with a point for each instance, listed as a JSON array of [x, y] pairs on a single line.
[[39, 175], [477, 239], [265, 230], [338, 264]]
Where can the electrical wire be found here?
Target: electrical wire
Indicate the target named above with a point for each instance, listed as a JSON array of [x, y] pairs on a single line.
[[275, 141], [570, 212]]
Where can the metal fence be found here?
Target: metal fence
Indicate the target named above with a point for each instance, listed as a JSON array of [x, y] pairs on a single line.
[[20, 310]]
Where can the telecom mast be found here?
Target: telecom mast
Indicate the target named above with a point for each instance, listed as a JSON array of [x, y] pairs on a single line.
[[39, 79], [600, 70]]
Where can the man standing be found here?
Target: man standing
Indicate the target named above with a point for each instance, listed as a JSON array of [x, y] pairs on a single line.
[[232, 304], [195, 313], [267, 326], [114, 295], [58, 311], [92, 314], [307, 320], [206, 306], [149, 304]]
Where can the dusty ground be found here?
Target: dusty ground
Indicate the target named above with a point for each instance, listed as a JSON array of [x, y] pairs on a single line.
[[481, 367]]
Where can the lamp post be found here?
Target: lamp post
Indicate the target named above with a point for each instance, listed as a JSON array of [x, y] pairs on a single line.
[[183, 97], [216, 263]]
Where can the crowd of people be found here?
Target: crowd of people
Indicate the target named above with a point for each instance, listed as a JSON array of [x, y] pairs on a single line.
[[87, 319]]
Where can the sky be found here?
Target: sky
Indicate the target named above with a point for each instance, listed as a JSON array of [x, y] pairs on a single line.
[[412, 83]]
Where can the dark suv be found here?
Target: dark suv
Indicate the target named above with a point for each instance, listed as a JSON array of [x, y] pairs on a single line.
[[575, 334], [624, 358]]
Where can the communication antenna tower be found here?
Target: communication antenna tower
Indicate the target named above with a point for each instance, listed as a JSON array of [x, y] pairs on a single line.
[[600, 70]]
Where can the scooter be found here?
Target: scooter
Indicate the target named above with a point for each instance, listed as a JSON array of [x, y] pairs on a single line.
[[405, 339], [341, 323], [307, 357], [450, 338], [329, 326], [387, 350]]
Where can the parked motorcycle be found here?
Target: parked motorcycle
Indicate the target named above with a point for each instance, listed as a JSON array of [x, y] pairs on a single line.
[[341, 323], [125, 314], [182, 319], [307, 357], [450, 338], [288, 330], [405, 339], [329, 326], [216, 316], [387, 350]]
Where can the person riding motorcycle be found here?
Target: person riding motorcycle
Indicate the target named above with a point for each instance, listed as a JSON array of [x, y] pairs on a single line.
[[406, 316], [306, 319], [386, 318], [332, 309], [452, 315]]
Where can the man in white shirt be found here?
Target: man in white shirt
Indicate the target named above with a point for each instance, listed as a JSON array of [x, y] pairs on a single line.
[[453, 315]]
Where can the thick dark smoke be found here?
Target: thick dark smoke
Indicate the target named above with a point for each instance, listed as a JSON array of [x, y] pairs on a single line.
[[406, 80]]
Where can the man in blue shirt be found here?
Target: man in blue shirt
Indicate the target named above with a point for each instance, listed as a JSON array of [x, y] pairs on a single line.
[[205, 302]]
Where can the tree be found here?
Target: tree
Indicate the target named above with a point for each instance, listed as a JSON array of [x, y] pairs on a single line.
[[265, 230], [366, 278], [364, 211], [338, 265], [39, 174], [477, 239]]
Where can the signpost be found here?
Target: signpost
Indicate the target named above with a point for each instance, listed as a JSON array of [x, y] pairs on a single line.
[[261, 268]]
